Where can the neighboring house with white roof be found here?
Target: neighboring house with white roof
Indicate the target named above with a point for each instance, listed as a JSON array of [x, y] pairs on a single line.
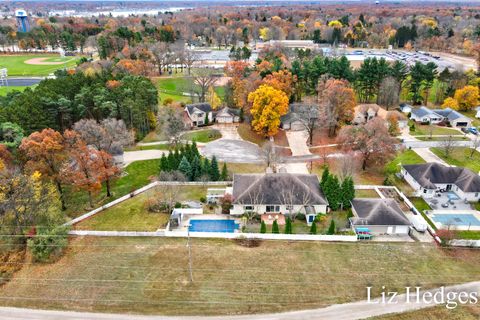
[[380, 216], [196, 113], [278, 193], [405, 108], [447, 115], [477, 115], [426, 179]]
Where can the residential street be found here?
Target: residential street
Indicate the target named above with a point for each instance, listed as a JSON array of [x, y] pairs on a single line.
[[346, 311]]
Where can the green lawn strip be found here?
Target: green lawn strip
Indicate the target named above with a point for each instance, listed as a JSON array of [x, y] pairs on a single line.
[[467, 234], [205, 135], [426, 130], [150, 275], [405, 157], [453, 138], [460, 157], [133, 214], [421, 206], [366, 193], [165, 146], [244, 167], [17, 67], [136, 175]]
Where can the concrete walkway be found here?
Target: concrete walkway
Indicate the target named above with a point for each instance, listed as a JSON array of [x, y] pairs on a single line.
[[131, 156], [297, 140], [347, 311], [429, 156]]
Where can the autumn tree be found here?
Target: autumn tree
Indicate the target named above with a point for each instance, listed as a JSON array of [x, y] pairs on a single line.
[[467, 97], [371, 140], [281, 80], [212, 98], [337, 103], [46, 153], [268, 105]]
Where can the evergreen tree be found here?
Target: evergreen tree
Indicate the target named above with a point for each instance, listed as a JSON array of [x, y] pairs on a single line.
[[206, 120], [224, 174], [263, 227], [288, 226], [332, 192], [275, 228], [194, 149], [196, 169], [325, 175], [313, 228], [206, 167], [177, 157], [349, 192], [163, 163], [185, 167], [214, 172], [171, 162], [331, 229]]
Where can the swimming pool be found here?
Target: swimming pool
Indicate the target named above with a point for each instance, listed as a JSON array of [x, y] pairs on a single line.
[[452, 196], [213, 226], [456, 219]]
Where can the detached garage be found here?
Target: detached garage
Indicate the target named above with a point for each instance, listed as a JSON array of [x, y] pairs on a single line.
[[380, 216]]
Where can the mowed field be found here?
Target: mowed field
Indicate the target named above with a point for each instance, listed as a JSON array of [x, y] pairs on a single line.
[[150, 275], [17, 67]]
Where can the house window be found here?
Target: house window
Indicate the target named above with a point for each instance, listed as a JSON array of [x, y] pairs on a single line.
[[311, 218], [248, 208], [424, 190], [272, 209], [476, 194]]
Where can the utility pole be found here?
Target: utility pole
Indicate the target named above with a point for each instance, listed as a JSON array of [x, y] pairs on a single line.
[[190, 272]]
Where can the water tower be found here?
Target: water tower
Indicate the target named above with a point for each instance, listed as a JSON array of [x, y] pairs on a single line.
[[23, 24]]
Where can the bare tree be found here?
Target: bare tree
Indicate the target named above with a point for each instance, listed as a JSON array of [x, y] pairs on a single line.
[[161, 55], [255, 198], [308, 114], [346, 165], [189, 57], [388, 94], [202, 80], [170, 121], [448, 145], [270, 156]]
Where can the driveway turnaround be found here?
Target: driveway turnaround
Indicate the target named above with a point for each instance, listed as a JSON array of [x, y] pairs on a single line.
[[347, 311], [227, 150]]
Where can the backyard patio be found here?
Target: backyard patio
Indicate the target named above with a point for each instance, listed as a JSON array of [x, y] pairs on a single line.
[[447, 200]]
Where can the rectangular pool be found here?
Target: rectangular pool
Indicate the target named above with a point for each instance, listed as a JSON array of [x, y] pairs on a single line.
[[456, 219], [213, 225]]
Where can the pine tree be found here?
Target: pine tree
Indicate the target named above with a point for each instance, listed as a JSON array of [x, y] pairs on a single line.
[[196, 169], [206, 167], [163, 163], [331, 229], [206, 120], [263, 227], [349, 192], [224, 175], [332, 192], [185, 168], [325, 175], [275, 228], [214, 172], [188, 152], [177, 157], [288, 226], [313, 228], [171, 162], [194, 149]]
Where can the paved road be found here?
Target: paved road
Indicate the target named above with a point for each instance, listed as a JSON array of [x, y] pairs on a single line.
[[347, 311], [431, 144]]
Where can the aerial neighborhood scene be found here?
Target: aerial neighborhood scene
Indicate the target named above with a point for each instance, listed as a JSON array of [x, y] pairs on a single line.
[[232, 160]]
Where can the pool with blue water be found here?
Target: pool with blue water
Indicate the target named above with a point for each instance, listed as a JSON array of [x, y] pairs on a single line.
[[213, 226], [456, 219]]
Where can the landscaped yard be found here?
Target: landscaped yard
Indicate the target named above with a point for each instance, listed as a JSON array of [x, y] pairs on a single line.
[[150, 275], [405, 157], [426, 130], [205, 135], [179, 89], [17, 67], [246, 133], [136, 175], [367, 193], [460, 157], [5, 90], [244, 167], [133, 214]]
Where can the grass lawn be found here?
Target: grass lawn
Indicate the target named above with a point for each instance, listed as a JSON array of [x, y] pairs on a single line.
[[205, 135], [244, 167], [454, 138], [368, 193], [465, 234], [154, 137], [405, 157], [17, 67], [150, 275], [426, 130], [175, 87], [137, 175], [461, 312], [421, 206], [460, 157], [5, 90], [165, 146], [246, 133], [133, 215]]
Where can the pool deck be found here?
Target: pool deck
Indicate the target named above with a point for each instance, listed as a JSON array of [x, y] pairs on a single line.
[[436, 203], [431, 214]]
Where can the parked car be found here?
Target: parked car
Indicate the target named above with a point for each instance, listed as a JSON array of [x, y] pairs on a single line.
[[473, 130]]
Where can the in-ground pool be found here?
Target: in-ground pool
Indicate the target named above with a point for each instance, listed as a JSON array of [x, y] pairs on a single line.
[[456, 219], [213, 225], [452, 196]]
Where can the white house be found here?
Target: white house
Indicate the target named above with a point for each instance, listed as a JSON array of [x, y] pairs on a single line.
[[196, 114], [405, 108], [429, 178], [278, 193], [380, 216], [477, 115], [447, 115], [227, 115]]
